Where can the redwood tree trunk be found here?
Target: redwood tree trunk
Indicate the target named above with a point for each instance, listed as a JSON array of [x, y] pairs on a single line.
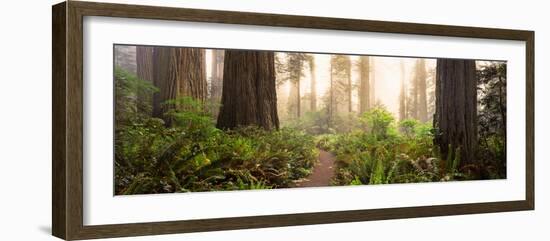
[[144, 69], [313, 101], [164, 81], [402, 94], [330, 108], [216, 80], [216, 75], [144, 60], [190, 72], [249, 94], [456, 109], [414, 96], [177, 72], [364, 90], [298, 96], [372, 83], [296, 84], [421, 90], [349, 87]]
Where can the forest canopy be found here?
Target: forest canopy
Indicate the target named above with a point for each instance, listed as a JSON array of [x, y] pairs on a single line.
[[192, 119]]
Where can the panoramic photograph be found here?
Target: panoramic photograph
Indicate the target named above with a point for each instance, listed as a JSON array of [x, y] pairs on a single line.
[[196, 119]]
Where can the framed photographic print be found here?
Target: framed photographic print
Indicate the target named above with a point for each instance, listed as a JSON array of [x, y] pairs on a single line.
[[170, 120]]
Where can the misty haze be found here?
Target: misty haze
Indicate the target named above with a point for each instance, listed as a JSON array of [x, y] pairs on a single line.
[[192, 120]]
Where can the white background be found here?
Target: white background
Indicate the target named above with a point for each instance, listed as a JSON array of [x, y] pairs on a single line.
[[25, 124]]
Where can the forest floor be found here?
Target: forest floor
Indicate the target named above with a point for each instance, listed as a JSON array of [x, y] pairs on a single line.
[[322, 173]]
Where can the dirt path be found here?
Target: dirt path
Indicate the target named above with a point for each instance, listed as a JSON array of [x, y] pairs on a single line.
[[322, 173]]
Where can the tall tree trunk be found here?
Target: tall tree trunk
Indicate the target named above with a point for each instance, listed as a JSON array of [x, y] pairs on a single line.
[[144, 60], [431, 92], [177, 72], [402, 94], [295, 63], [144, 69], [190, 72], [125, 58], [164, 80], [364, 90], [313, 98], [294, 107], [249, 94], [421, 90], [216, 76], [330, 108], [349, 86], [413, 105], [456, 109], [297, 76], [298, 97]]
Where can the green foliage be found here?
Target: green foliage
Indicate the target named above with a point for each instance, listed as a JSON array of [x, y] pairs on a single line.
[[128, 88], [247, 158], [453, 163], [319, 123], [411, 128], [492, 121], [192, 115], [193, 155], [313, 123], [289, 66], [378, 122], [380, 155], [408, 127], [492, 91], [345, 123]]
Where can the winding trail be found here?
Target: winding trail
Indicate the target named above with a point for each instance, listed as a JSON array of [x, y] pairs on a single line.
[[322, 173]]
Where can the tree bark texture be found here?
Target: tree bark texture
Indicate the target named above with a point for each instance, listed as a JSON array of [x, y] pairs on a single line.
[[295, 65], [313, 98], [190, 72], [178, 72], [413, 100], [372, 83], [402, 94], [349, 84], [249, 92], [456, 109], [421, 91], [364, 90], [144, 69], [164, 81], [216, 75], [125, 57], [144, 60], [341, 84], [330, 108]]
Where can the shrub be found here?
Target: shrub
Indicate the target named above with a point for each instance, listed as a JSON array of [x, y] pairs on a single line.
[[128, 87], [312, 122], [408, 127], [193, 155], [382, 155], [378, 122]]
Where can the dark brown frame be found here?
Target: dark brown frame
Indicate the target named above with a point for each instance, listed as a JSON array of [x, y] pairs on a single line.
[[67, 123]]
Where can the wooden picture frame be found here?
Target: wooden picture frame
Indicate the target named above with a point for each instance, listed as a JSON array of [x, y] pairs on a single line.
[[67, 152]]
